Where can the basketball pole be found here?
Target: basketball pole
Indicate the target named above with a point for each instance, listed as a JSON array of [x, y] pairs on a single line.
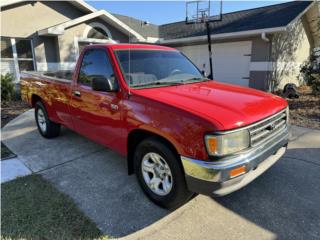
[[204, 19], [210, 49]]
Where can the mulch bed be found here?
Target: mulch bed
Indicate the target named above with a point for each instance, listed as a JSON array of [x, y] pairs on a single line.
[[305, 110], [10, 110]]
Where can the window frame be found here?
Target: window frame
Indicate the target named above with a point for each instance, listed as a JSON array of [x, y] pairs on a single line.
[[16, 59], [8, 58], [145, 49], [82, 58]]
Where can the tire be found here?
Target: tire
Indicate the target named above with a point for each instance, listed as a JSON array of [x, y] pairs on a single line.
[[172, 192], [46, 127]]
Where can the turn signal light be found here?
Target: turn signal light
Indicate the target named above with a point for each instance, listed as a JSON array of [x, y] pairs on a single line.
[[237, 171], [212, 144]]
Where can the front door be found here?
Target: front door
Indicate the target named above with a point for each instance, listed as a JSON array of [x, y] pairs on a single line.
[[96, 115]]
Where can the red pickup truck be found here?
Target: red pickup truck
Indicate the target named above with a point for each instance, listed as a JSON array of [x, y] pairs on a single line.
[[182, 133]]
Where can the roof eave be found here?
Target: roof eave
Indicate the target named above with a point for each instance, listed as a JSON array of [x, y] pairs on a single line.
[[225, 35], [59, 29], [80, 4]]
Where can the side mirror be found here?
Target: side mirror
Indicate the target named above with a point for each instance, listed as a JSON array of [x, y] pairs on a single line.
[[203, 72], [102, 84]]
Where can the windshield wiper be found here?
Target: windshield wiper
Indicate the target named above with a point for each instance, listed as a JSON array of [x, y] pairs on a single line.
[[167, 83], [196, 79], [171, 83]]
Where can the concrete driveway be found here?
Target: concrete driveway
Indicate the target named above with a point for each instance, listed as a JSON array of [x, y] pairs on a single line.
[[283, 203]]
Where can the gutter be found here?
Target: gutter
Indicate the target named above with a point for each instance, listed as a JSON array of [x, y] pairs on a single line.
[[225, 35]]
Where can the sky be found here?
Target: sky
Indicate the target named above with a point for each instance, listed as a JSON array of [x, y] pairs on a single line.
[[161, 12]]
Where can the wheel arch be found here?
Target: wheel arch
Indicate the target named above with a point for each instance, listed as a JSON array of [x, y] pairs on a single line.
[[50, 111], [34, 99], [138, 135]]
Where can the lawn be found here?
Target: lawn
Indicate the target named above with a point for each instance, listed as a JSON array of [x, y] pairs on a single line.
[[32, 208]]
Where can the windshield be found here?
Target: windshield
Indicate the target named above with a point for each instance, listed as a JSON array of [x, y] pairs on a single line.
[[152, 68]]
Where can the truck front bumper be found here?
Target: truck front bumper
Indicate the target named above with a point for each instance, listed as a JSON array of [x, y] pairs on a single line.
[[214, 178]]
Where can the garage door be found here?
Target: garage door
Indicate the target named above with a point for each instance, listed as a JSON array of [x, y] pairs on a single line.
[[231, 61]]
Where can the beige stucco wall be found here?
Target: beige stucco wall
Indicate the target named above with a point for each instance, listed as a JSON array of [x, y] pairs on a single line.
[[289, 51], [22, 20], [25, 19], [312, 18], [67, 45]]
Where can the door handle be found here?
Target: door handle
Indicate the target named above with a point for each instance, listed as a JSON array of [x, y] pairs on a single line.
[[77, 93]]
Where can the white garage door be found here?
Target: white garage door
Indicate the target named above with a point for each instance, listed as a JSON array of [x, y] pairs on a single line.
[[231, 61]]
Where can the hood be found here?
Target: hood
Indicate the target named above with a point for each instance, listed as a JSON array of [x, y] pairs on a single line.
[[227, 105]]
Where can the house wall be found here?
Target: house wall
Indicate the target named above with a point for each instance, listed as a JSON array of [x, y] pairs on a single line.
[[39, 15], [276, 62], [51, 52], [68, 41], [313, 21], [259, 66], [289, 51]]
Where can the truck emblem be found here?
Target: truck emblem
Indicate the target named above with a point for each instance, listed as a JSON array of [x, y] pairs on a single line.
[[272, 126]]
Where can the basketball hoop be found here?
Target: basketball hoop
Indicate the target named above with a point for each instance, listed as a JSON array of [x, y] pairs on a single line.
[[203, 12]]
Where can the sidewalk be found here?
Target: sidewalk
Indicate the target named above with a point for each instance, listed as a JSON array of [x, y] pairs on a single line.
[[12, 169]]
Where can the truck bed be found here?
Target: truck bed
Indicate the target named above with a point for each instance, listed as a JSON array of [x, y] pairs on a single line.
[[64, 76]]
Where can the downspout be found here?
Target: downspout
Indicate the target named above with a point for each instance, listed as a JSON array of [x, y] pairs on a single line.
[[264, 37]]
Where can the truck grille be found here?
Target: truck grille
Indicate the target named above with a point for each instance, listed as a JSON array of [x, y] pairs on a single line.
[[267, 128]]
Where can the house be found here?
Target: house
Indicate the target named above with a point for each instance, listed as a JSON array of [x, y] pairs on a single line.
[[261, 48], [48, 35]]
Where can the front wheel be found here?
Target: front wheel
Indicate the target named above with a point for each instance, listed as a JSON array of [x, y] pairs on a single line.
[[46, 127], [160, 174]]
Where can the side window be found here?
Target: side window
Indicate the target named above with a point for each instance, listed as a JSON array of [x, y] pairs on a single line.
[[95, 63]]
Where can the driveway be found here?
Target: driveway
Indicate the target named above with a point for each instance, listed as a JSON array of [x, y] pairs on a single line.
[[283, 203]]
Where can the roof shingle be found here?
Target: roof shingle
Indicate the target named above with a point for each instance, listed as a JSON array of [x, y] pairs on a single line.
[[279, 15], [259, 18]]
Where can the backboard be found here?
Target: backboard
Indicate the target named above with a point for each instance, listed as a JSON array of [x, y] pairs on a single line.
[[203, 11]]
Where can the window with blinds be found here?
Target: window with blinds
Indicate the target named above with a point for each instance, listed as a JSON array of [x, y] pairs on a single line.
[[6, 48], [16, 51], [25, 56]]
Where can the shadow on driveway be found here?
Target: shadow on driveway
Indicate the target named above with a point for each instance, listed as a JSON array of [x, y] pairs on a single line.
[[284, 200]]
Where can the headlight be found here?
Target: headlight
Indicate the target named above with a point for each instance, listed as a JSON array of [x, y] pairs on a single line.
[[219, 145]]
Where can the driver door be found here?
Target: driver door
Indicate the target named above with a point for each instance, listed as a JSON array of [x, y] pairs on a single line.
[[97, 115]]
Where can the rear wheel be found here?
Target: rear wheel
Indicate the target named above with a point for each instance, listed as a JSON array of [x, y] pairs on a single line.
[[160, 174], [46, 127]]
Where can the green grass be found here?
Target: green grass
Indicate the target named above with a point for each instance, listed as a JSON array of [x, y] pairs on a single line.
[[32, 208]]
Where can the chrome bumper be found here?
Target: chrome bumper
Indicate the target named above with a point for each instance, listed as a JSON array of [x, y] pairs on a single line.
[[213, 178]]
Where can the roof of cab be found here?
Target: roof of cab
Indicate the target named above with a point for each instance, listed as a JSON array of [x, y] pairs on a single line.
[[117, 46]]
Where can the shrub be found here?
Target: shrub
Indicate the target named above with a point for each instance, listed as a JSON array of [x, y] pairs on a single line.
[[7, 88], [311, 72]]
